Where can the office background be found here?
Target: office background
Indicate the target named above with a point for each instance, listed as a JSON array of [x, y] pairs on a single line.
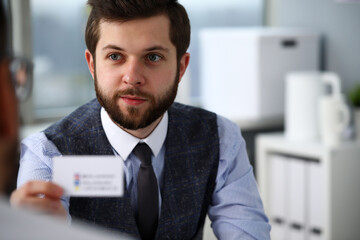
[[338, 21], [55, 43], [52, 35]]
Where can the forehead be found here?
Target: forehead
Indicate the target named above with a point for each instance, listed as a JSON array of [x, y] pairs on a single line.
[[136, 33]]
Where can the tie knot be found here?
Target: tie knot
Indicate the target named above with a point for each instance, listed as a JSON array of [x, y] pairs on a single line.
[[143, 152]]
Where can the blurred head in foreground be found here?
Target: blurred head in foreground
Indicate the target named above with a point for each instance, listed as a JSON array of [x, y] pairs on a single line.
[[15, 82]]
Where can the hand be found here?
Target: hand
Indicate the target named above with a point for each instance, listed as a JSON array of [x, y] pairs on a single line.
[[39, 195]]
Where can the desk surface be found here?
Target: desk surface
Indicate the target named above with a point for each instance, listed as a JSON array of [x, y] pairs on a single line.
[[263, 123]]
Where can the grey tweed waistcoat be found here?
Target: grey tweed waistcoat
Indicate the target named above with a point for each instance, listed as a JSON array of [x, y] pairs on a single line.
[[191, 162]]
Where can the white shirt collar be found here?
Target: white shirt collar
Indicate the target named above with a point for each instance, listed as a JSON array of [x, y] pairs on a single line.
[[124, 143]]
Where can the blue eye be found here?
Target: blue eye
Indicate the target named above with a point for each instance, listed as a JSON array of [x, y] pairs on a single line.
[[154, 57], [115, 57]]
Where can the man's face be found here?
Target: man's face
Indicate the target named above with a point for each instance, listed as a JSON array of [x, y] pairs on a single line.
[[136, 72]]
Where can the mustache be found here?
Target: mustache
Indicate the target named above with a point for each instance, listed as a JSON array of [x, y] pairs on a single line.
[[132, 91]]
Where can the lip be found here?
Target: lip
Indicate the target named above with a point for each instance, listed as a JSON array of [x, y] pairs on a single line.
[[133, 100]]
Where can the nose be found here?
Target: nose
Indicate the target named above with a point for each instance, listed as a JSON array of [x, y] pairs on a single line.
[[132, 74]]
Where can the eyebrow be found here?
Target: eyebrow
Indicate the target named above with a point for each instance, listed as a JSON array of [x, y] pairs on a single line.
[[112, 47], [156, 47]]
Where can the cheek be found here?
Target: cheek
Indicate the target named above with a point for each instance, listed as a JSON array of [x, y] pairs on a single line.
[[164, 78], [107, 78], [167, 80]]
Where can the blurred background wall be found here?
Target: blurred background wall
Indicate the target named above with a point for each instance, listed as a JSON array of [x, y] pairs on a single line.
[[338, 21]]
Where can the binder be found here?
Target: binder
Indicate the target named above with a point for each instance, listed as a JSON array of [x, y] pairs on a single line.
[[297, 198], [278, 191], [316, 199]]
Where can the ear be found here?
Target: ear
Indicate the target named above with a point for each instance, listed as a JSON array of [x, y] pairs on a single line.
[[90, 61], [184, 62]]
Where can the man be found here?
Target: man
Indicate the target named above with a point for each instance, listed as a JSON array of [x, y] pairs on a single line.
[[136, 53]]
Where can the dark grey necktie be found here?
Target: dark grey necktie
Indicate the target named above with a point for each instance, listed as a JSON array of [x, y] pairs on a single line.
[[148, 202]]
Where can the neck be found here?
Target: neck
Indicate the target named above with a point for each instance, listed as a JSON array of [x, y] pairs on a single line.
[[143, 132]]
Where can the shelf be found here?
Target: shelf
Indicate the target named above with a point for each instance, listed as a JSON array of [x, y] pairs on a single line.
[[337, 170]]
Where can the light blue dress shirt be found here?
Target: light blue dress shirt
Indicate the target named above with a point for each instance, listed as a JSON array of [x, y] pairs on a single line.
[[236, 211]]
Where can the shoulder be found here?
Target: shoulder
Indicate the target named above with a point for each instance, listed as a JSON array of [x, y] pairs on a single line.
[[86, 117], [190, 111], [228, 129], [192, 121], [232, 143], [185, 115]]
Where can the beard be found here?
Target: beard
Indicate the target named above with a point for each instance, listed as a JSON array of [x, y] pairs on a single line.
[[134, 119]]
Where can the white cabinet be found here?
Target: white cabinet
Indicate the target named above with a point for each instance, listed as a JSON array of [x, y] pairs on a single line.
[[310, 191], [247, 66]]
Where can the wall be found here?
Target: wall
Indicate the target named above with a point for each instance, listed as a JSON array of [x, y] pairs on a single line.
[[338, 22]]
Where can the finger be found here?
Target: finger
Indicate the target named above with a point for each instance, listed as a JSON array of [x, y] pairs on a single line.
[[32, 189], [49, 189], [45, 205]]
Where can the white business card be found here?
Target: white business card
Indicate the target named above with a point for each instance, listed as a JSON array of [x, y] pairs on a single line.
[[89, 176]]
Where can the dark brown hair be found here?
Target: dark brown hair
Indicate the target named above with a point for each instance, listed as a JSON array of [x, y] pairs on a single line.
[[125, 10]]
